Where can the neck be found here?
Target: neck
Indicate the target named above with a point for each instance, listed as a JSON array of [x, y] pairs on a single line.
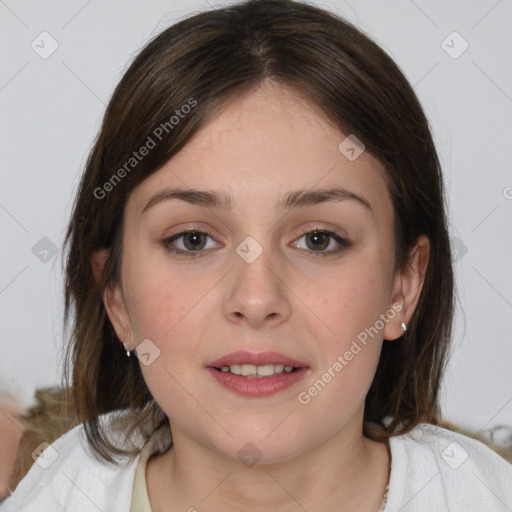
[[346, 469]]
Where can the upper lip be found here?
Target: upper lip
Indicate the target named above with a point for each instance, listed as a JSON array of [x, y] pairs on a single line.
[[256, 359]]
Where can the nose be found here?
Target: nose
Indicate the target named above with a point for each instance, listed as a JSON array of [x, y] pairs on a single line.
[[257, 291]]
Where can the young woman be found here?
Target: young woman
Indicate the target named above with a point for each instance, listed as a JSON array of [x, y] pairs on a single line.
[[260, 279]]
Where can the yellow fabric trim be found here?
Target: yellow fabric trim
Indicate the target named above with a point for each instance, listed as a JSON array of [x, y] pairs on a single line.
[[159, 442], [140, 497]]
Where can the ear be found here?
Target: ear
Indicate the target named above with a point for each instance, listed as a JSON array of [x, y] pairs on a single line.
[[407, 287], [113, 300], [98, 262]]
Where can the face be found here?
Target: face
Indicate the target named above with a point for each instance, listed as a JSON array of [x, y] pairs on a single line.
[[253, 277]]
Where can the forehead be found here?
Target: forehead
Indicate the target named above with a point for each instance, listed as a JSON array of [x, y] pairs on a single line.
[[262, 145]]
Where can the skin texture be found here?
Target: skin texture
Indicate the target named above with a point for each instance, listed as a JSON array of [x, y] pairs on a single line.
[[290, 299]]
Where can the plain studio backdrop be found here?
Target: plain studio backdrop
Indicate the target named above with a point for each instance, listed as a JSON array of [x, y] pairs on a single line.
[[60, 61]]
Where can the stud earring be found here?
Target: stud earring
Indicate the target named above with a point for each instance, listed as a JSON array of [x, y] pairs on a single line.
[[127, 351], [404, 327]]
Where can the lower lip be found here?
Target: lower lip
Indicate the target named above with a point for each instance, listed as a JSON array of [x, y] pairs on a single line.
[[258, 387]]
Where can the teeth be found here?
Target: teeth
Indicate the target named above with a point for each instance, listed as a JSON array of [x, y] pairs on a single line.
[[250, 370]]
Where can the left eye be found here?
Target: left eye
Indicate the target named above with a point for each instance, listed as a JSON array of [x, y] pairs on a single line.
[[319, 240]]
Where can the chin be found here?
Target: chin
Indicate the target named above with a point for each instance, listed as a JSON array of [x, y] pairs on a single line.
[[262, 448]]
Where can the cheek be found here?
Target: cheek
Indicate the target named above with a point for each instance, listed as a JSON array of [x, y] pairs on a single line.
[[350, 348], [161, 298], [168, 312], [170, 309], [351, 300]]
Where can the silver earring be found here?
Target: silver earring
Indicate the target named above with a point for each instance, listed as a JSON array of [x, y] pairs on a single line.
[[404, 327], [127, 351]]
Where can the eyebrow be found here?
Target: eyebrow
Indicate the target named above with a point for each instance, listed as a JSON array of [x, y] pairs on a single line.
[[221, 200]]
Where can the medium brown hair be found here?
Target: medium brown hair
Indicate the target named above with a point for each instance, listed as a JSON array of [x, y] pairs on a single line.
[[211, 58]]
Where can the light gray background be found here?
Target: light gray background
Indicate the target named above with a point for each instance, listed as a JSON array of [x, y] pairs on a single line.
[[51, 110]]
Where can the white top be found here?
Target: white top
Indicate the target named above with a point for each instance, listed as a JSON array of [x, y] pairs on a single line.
[[433, 469]]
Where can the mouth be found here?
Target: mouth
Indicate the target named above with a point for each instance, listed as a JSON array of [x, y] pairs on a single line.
[[257, 374]]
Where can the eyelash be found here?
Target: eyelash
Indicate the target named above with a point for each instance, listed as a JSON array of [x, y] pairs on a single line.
[[344, 243]]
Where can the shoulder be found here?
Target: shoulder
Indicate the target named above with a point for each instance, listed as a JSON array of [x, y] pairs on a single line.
[[436, 467], [67, 475]]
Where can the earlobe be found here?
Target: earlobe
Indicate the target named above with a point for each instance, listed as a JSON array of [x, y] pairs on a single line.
[[407, 288]]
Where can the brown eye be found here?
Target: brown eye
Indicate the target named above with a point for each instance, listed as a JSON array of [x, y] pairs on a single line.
[[193, 243], [317, 240], [194, 240]]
